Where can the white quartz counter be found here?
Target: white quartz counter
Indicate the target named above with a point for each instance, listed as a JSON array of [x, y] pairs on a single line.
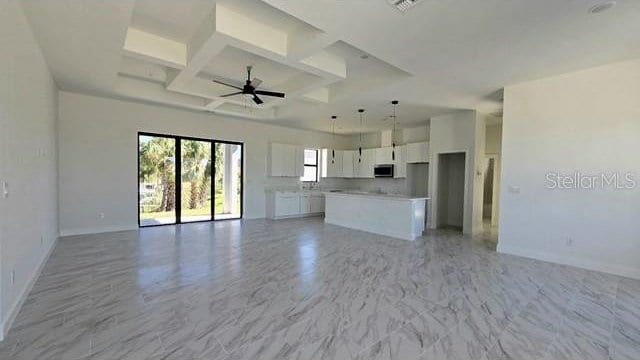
[[391, 215], [369, 195]]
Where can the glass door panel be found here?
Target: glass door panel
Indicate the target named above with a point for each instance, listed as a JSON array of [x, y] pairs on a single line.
[[195, 180], [228, 181], [156, 180]]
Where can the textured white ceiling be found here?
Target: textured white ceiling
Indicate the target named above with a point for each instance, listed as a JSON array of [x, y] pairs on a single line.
[[437, 57]]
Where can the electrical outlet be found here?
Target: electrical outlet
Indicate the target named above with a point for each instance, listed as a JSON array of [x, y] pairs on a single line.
[[101, 215], [569, 241]]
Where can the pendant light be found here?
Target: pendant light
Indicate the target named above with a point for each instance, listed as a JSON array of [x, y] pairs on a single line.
[[393, 132], [361, 111], [333, 130]]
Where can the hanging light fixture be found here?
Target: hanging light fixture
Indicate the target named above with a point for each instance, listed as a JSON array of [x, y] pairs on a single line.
[[393, 132], [333, 130], [361, 111]]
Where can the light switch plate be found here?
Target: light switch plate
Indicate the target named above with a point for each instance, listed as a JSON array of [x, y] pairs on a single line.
[[5, 189]]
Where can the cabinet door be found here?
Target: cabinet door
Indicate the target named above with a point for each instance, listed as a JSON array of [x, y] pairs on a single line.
[[334, 168], [347, 164], [365, 167], [400, 163], [305, 204], [358, 164], [287, 205], [298, 161], [413, 153], [383, 156], [426, 156], [281, 158], [316, 204], [418, 152]]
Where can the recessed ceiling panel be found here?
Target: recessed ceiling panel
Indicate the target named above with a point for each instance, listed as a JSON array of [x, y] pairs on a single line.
[[231, 63], [175, 20]]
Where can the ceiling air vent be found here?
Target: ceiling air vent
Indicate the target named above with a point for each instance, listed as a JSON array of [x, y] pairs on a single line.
[[403, 5]]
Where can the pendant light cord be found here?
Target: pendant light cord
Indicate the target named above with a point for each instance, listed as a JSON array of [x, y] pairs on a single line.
[[333, 130], [360, 148], [393, 132]]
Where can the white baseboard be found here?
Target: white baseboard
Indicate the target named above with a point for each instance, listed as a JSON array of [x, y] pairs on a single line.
[[5, 325], [571, 261], [97, 230], [297, 216]]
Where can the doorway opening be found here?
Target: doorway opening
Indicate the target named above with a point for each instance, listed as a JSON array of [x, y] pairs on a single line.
[[487, 204], [183, 179], [451, 180]]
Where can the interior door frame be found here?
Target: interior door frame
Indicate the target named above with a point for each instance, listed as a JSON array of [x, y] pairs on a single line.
[[178, 175]]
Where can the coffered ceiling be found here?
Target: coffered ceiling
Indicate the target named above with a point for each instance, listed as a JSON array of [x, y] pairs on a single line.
[[330, 57]]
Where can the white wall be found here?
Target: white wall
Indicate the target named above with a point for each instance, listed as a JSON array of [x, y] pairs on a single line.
[[463, 131], [98, 156], [415, 134], [588, 121], [28, 216], [494, 149], [494, 139]]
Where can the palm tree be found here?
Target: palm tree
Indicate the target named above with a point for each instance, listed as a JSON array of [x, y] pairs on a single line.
[[157, 163], [195, 170]]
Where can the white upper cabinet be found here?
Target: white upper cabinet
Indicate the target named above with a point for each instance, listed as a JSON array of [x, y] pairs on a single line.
[[286, 160], [418, 152], [334, 164], [383, 156], [347, 163], [364, 168], [400, 162]]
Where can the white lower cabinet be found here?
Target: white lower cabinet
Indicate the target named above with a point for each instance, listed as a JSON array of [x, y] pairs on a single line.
[[316, 204], [285, 204]]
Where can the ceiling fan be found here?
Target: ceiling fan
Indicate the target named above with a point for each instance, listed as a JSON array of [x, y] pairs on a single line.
[[249, 89]]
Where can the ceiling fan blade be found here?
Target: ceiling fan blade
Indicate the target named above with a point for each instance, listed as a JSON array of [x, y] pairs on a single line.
[[232, 94], [257, 100], [269, 93], [225, 84], [256, 82]]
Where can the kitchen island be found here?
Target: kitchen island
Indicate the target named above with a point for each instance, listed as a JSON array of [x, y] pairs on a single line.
[[391, 215]]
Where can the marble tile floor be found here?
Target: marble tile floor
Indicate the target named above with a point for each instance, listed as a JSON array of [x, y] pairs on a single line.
[[300, 289]]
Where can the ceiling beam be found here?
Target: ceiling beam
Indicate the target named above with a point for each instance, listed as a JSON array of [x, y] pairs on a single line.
[[159, 50]]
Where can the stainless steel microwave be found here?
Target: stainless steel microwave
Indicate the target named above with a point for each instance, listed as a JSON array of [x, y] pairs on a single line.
[[383, 171]]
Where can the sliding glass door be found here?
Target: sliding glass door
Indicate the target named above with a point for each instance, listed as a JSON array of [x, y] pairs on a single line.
[[184, 179], [195, 180], [228, 182], [157, 175]]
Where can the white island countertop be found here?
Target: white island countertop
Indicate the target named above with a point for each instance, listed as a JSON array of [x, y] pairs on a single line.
[[391, 215], [372, 195]]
